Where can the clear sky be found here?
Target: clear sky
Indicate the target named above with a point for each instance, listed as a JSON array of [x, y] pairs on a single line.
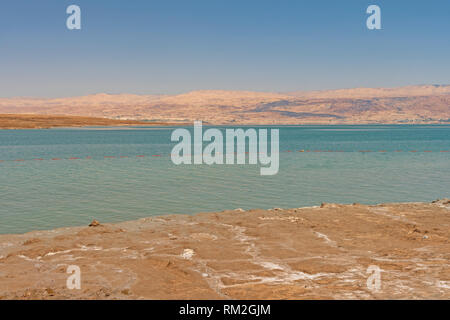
[[166, 46]]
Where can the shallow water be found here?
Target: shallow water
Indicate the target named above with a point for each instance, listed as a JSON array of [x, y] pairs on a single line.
[[44, 194]]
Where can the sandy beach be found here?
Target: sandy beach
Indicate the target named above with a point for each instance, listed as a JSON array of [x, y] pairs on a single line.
[[318, 252]]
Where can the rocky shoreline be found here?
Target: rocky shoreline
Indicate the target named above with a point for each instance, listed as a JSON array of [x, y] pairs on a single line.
[[321, 252]]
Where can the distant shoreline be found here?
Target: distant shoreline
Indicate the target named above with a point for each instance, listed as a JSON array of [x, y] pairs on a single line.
[[37, 121]]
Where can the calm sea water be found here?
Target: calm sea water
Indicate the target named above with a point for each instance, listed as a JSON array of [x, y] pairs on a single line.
[[54, 193]]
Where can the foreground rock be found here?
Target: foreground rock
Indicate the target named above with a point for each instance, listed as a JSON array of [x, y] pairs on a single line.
[[305, 253]]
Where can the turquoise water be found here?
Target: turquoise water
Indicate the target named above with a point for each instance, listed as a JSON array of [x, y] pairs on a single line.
[[53, 193]]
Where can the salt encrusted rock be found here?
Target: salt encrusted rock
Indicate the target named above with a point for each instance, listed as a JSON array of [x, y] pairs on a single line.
[[94, 223], [31, 241], [188, 254], [239, 209], [329, 205], [441, 201]]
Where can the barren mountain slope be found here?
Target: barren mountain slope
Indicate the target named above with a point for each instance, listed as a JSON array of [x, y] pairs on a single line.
[[413, 104]]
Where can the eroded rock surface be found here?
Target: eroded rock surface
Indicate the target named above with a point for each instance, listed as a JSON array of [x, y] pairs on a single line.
[[305, 253]]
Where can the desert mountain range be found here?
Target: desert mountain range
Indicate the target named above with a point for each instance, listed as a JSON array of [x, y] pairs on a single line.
[[412, 104]]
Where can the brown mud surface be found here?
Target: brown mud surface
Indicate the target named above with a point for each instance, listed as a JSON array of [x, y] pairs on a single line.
[[33, 121], [305, 253]]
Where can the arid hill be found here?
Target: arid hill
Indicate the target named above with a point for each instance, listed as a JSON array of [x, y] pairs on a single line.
[[413, 104]]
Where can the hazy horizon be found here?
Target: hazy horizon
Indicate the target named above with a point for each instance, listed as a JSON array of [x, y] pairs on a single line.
[[200, 90]]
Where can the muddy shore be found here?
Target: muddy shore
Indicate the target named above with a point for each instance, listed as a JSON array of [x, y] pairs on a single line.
[[319, 252]]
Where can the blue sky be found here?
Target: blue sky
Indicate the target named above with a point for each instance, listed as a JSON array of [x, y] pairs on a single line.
[[166, 46]]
